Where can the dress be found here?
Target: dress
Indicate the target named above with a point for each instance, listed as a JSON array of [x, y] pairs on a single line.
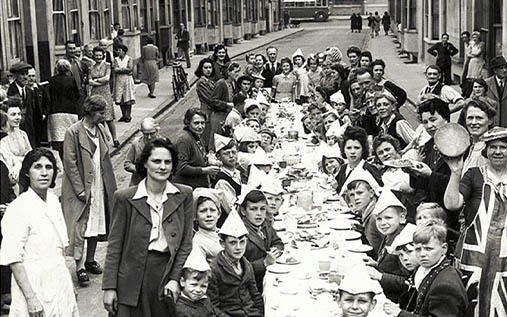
[[284, 86], [484, 237], [150, 57], [102, 73], [475, 52], [17, 143], [35, 234], [124, 90]]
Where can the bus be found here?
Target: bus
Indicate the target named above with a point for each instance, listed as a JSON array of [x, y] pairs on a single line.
[[317, 10]]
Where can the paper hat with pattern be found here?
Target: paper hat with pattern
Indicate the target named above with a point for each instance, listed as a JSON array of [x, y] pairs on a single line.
[[404, 237], [197, 261], [387, 199], [233, 226], [221, 142]]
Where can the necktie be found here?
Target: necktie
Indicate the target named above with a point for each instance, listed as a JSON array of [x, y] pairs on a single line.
[[273, 68], [502, 85], [23, 95]]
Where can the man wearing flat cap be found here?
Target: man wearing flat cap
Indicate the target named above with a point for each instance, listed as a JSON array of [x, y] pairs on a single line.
[[18, 88], [497, 90]]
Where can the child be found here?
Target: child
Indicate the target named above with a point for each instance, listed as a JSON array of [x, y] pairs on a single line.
[[248, 141], [252, 109], [234, 117], [273, 190], [228, 180], [338, 103], [264, 245], [253, 124], [207, 213], [245, 84], [357, 293], [192, 301], [403, 247], [232, 287], [268, 139], [390, 217], [440, 289]]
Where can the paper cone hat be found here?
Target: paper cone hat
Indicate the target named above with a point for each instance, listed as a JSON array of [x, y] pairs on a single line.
[[337, 97], [249, 103], [246, 134], [261, 99], [256, 177], [358, 281], [336, 129], [261, 158], [221, 142], [404, 237], [215, 195], [332, 151], [361, 174], [298, 52], [197, 261], [387, 199], [233, 226], [245, 190], [271, 185]]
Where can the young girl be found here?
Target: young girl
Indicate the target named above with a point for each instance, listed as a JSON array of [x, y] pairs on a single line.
[[284, 83], [264, 245], [303, 80], [207, 212]]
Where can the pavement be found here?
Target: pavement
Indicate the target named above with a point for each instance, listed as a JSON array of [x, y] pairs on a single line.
[[409, 76], [148, 107]]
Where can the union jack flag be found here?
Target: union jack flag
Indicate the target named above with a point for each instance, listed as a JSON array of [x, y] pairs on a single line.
[[483, 259]]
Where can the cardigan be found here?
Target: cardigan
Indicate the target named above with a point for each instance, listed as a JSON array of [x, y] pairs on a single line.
[[191, 160]]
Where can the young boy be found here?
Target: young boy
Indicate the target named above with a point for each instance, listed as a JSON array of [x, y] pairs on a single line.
[[232, 287], [264, 245], [207, 203], [440, 289], [235, 116], [390, 217], [252, 109], [357, 293], [193, 301], [228, 180], [273, 191]]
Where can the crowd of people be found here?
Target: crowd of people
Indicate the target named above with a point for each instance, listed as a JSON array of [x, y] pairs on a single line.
[[193, 233]]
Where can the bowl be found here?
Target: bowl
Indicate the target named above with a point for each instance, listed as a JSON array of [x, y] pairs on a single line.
[[452, 140]]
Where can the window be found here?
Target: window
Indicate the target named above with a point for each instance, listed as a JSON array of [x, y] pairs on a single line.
[[14, 26], [189, 5], [426, 18], [144, 16], [107, 16], [412, 15], [59, 22], [435, 19], [125, 14], [228, 11], [162, 12], [200, 12], [74, 21], [212, 13], [93, 12], [236, 15], [404, 17]]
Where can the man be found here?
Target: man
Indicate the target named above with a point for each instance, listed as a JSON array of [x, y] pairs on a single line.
[[443, 51], [466, 85], [79, 71], [18, 88], [432, 174], [183, 38], [378, 67], [114, 30], [497, 90], [272, 67], [117, 41], [436, 89], [41, 102]]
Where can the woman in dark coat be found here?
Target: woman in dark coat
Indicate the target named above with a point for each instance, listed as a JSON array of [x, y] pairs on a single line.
[[150, 239], [63, 109], [220, 61], [205, 87], [193, 168]]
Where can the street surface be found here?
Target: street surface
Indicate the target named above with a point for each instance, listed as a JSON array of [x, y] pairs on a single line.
[[315, 37]]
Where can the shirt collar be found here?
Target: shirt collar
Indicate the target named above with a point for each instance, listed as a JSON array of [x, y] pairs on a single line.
[[20, 89], [142, 192]]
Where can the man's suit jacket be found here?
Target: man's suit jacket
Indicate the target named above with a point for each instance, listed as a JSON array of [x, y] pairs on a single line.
[[269, 73], [27, 111], [493, 93]]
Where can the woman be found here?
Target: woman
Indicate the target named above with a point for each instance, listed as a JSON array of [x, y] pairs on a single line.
[[193, 168], [88, 186], [260, 60], [314, 70], [475, 53], [205, 88], [220, 60], [16, 141], [124, 90], [355, 148], [483, 194], [149, 60], [479, 89], [63, 109], [284, 83], [100, 74], [479, 117], [151, 237], [353, 22], [34, 243], [321, 98], [390, 122]]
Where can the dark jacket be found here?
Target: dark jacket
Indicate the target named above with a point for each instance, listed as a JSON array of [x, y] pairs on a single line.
[[191, 160], [129, 238], [444, 295], [268, 73], [443, 53], [408, 297], [257, 248], [399, 93], [27, 110], [201, 308], [183, 38], [64, 95], [235, 295], [41, 104]]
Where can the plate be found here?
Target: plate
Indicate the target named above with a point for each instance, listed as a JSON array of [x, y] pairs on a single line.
[[283, 261], [307, 226], [344, 225], [333, 198], [400, 163], [363, 248], [452, 140], [352, 235], [278, 269], [323, 275]]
